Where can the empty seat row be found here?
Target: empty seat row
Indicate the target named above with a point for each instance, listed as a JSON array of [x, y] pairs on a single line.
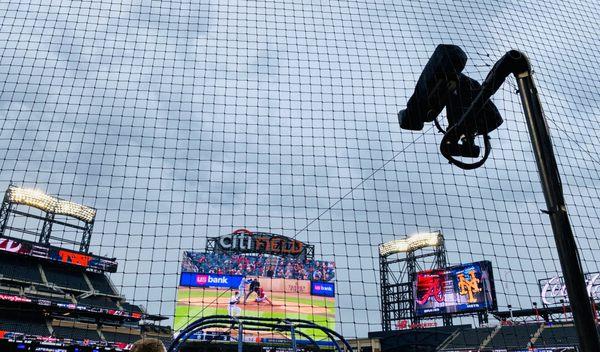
[[63, 277], [121, 337], [101, 284], [98, 301], [558, 336], [25, 269], [131, 308], [75, 333], [19, 268], [469, 338], [20, 322], [30, 323], [514, 336]]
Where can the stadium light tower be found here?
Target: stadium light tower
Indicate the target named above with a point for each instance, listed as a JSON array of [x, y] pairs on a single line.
[[470, 114], [398, 273]]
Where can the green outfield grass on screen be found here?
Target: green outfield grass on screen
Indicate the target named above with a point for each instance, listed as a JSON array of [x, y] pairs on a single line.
[[219, 284], [194, 303]]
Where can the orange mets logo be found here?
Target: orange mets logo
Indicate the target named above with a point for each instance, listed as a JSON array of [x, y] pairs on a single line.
[[469, 287]]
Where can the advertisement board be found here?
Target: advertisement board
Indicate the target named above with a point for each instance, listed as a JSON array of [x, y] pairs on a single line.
[[554, 290], [326, 289], [23, 247], [458, 289], [255, 285], [69, 306]]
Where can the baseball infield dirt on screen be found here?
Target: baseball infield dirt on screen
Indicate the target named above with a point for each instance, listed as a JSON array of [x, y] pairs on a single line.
[[255, 285]]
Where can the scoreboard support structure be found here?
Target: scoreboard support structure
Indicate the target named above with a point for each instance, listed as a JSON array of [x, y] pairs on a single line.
[[398, 273]]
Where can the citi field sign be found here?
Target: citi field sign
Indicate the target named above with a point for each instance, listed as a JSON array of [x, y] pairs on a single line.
[[246, 241]]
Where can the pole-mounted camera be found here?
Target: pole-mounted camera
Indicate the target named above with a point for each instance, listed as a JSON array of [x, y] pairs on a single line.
[[470, 114], [469, 110]]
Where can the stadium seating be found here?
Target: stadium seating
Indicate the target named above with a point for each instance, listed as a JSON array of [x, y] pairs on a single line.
[[517, 336], [18, 321], [58, 282], [101, 284], [9, 288], [557, 336], [469, 339], [75, 333], [67, 278], [120, 337], [98, 301], [131, 307], [46, 289], [16, 268]]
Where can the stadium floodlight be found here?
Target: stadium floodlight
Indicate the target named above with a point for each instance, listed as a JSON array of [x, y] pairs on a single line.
[[441, 84], [40, 200], [411, 243], [79, 211], [32, 197]]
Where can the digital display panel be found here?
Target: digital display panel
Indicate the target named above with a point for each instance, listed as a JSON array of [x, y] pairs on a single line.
[[258, 285], [23, 247], [455, 290], [70, 306]]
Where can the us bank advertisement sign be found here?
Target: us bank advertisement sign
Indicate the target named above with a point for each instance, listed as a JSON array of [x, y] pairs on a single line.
[[209, 280]]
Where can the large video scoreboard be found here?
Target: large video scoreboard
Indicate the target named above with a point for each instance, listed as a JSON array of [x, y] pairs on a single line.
[[464, 288], [256, 275]]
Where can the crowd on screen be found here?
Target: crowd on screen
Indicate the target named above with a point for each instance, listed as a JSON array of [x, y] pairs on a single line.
[[258, 265]]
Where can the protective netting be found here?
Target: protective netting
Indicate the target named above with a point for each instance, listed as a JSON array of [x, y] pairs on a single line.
[[183, 120]]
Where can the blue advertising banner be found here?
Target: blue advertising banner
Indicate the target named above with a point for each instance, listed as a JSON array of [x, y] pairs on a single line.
[[326, 289], [210, 280]]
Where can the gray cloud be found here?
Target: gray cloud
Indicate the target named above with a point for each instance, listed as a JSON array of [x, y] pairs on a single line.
[[182, 120]]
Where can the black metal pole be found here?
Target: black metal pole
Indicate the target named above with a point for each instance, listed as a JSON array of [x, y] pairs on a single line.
[[559, 218]]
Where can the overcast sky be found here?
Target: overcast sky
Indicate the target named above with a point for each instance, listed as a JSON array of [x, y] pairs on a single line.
[[183, 119]]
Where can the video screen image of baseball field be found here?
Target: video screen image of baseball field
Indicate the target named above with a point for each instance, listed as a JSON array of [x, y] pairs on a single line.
[[257, 286]]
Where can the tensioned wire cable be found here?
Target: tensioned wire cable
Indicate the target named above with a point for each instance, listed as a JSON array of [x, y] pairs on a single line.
[[360, 183]]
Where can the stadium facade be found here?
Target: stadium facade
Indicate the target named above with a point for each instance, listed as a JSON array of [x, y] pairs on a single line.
[[54, 298]]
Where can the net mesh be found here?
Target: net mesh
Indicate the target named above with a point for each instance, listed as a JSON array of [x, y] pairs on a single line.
[[182, 120]]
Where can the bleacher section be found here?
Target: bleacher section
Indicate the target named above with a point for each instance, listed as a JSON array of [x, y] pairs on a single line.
[[65, 277], [22, 322], [9, 288], [120, 337], [75, 333], [52, 294], [131, 307], [557, 336], [101, 284], [469, 339], [56, 292], [43, 289], [98, 301], [18, 268], [515, 336]]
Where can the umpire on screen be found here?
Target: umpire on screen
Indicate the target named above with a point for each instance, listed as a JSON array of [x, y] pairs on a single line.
[[254, 286]]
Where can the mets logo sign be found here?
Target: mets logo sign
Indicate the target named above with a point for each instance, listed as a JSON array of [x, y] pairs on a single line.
[[468, 287]]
